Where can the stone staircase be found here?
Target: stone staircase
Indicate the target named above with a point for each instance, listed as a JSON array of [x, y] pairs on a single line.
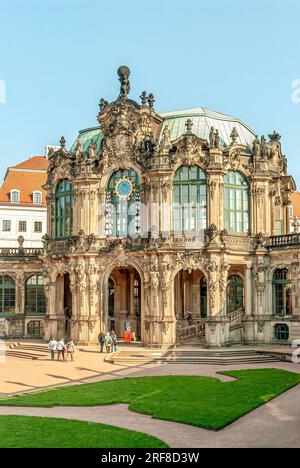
[[31, 351], [191, 356]]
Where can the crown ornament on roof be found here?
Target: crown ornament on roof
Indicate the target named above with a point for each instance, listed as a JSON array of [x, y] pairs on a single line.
[[275, 136]]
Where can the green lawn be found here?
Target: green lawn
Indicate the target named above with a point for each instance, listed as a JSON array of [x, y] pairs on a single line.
[[199, 401], [34, 432]]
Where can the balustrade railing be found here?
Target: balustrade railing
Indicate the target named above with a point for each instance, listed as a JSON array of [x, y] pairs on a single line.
[[287, 240], [236, 316], [185, 332], [17, 252]]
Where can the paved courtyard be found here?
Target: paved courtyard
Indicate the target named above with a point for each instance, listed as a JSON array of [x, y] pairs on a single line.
[[275, 424], [22, 375]]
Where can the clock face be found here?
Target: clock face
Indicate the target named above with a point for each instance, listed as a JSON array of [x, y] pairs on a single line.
[[124, 188]]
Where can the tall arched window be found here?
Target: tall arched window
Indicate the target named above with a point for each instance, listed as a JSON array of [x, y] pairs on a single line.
[[282, 292], [189, 200], [235, 293], [35, 302], [7, 295], [63, 209], [236, 203], [123, 205]]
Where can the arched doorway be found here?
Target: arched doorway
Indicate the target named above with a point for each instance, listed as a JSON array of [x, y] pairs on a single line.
[[123, 302], [190, 294]]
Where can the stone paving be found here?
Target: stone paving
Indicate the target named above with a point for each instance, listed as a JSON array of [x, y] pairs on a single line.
[[276, 424], [20, 375]]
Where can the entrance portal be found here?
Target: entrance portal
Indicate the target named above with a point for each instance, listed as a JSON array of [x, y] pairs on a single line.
[[190, 294], [124, 302]]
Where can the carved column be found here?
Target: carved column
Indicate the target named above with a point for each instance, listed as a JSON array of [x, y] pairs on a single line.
[[215, 203], [86, 212], [248, 291]]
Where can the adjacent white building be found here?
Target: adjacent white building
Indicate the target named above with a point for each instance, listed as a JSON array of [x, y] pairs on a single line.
[[23, 203]]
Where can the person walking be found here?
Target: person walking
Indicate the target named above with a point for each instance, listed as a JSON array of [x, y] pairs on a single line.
[[61, 349], [108, 342], [101, 341], [70, 350], [114, 341], [52, 346], [189, 317]]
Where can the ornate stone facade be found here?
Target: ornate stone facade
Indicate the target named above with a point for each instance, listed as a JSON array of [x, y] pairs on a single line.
[[156, 275]]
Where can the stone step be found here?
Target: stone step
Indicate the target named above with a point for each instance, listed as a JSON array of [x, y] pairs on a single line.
[[209, 361]]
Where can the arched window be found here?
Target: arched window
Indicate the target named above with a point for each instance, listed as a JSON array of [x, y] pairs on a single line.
[[35, 302], [37, 198], [235, 293], [123, 205], [63, 209], [236, 203], [7, 295], [189, 200], [203, 297], [282, 292], [15, 196], [137, 296]]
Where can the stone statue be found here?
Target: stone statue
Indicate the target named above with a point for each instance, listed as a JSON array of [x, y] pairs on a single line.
[[151, 101], [92, 150], [256, 148], [165, 143], [189, 125], [212, 137], [21, 244], [217, 139], [124, 74], [234, 136], [144, 98], [103, 104], [264, 149]]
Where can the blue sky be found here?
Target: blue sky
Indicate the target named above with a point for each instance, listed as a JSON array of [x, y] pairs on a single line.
[[58, 57]]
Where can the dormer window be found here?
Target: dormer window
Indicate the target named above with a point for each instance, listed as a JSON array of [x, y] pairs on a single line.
[[37, 198], [15, 196]]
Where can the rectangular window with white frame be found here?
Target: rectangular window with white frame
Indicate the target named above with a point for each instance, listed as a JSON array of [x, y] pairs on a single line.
[[6, 225], [38, 226], [22, 226]]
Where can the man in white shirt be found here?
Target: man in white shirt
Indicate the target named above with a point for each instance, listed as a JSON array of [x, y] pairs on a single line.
[[52, 347], [61, 349]]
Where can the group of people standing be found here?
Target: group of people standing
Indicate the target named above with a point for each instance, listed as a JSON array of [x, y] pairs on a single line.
[[62, 349], [109, 340]]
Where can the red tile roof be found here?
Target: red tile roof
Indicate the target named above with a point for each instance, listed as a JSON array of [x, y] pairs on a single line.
[[27, 177], [37, 163]]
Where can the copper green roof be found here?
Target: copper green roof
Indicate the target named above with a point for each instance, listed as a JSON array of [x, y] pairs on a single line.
[[203, 119], [88, 136]]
